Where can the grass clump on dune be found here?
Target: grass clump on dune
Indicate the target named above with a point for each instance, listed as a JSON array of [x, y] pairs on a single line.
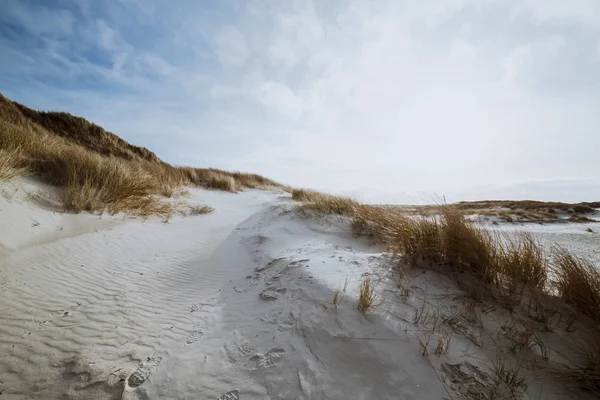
[[366, 297], [200, 210], [325, 203], [10, 165], [467, 246], [522, 262], [577, 282]]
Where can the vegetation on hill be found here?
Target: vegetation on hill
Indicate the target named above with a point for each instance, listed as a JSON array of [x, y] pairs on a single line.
[[96, 170], [522, 210], [531, 205], [513, 271]]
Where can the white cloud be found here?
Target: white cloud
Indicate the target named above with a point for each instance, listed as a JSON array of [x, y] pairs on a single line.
[[280, 98], [382, 100], [585, 12], [230, 47]]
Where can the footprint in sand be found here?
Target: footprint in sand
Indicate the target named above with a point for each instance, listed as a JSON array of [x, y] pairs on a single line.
[[245, 349], [271, 294], [239, 347], [267, 360], [298, 263], [246, 286], [197, 330], [233, 395], [274, 321], [270, 264], [142, 372]]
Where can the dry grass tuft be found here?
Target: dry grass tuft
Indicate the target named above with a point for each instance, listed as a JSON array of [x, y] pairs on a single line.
[[200, 210], [426, 314], [444, 341], [367, 297], [340, 294], [10, 165], [217, 180], [507, 376], [420, 238], [577, 282], [385, 225], [522, 262], [254, 181], [325, 203], [305, 195], [467, 247]]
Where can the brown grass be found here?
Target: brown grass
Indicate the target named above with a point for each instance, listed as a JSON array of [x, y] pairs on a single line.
[[386, 225], [367, 297], [9, 165], [580, 219], [96, 170], [420, 237], [200, 210], [531, 205], [577, 282], [325, 203], [339, 295], [522, 262], [467, 247]]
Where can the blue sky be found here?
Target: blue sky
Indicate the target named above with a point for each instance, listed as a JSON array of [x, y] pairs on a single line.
[[387, 101]]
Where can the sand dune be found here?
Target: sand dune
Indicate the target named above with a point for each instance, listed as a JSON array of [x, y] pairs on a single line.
[[232, 305], [87, 309]]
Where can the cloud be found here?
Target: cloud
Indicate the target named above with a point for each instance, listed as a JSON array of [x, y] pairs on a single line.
[[374, 98], [230, 47], [280, 98]]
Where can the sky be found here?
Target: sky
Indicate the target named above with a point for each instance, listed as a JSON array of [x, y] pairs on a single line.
[[386, 101]]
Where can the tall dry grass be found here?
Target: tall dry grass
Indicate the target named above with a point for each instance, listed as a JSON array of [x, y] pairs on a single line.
[[367, 298], [577, 282], [515, 262], [96, 170], [10, 166], [326, 203], [523, 262], [466, 246]]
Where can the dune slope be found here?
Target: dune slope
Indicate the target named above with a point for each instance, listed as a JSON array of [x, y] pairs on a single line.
[[239, 304]]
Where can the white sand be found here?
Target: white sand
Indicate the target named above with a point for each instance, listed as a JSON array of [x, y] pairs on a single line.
[[236, 304]]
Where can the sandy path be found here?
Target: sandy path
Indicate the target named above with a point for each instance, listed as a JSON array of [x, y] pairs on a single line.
[[80, 313], [271, 332]]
